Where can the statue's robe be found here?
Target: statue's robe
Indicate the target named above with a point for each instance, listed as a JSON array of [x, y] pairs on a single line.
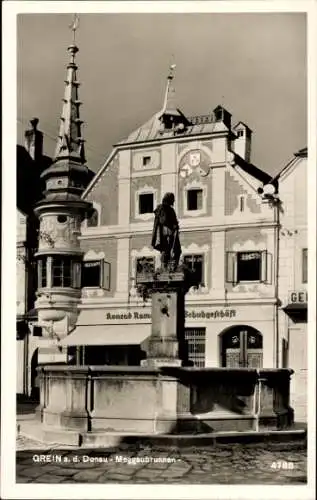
[[165, 235]]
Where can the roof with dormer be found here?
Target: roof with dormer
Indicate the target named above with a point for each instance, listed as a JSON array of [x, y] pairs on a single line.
[[216, 122], [152, 130], [244, 125], [155, 128]]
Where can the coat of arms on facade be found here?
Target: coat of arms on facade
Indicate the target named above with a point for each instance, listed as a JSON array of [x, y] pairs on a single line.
[[194, 159], [193, 164]]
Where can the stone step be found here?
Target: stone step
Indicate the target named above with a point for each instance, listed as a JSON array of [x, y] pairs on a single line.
[[51, 435]]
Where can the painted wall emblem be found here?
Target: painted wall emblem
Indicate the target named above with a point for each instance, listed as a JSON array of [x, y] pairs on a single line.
[[194, 163], [194, 159]]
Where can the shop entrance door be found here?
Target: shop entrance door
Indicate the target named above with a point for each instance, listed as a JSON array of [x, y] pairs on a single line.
[[242, 347]]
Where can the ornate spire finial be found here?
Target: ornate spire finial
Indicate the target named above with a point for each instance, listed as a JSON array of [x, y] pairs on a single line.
[[168, 98], [171, 73], [74, 26], [70, 141]]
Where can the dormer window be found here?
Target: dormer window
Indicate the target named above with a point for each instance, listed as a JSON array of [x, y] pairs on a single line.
[[240, 133], [168, 122]]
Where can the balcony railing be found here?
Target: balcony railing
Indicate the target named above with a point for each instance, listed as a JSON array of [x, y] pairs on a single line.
[[201, 119]]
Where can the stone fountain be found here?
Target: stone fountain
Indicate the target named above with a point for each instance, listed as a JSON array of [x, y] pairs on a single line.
[[90, 405]]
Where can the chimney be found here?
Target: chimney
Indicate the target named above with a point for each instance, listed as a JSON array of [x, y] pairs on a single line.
[[242, 144], [34, 140], [222, 115]]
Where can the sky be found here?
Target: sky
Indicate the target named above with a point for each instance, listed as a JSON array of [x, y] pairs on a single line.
[[253, 64]]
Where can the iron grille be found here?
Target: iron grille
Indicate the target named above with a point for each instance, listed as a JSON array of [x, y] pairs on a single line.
[[196, 340]]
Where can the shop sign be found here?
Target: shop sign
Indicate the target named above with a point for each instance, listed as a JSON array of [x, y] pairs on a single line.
[[298, 297], [217, 314], [189, 314], [129, 315]]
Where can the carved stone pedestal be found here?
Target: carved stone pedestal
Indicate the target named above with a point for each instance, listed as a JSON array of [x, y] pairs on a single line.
[[167, 345]]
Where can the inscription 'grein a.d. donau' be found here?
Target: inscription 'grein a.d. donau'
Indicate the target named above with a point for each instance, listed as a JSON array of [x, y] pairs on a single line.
[[195, 314]]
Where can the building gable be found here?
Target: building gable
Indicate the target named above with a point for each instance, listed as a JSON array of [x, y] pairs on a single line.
[[103, 191]]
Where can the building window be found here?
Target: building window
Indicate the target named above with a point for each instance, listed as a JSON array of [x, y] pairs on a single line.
[[37, 331], [95, 274], [196, 264], [194, 199], [146, 203], [42, 273], [196, 342], [247, 267], [284, 353], [61, 219], [240, 133], [304, 265], [93, 219], [145, 265], [91, 274], [61, 272], [146, 160], [241, 203], [21, 330]]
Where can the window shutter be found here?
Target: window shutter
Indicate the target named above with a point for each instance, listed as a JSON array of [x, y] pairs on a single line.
[[269, 268], [264, 267], [105, 275], [231, 271], [199, 199]]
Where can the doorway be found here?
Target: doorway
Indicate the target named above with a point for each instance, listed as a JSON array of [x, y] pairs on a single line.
[[241, 347]]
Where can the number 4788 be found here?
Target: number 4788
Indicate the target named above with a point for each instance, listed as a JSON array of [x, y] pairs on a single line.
[[282, 464]]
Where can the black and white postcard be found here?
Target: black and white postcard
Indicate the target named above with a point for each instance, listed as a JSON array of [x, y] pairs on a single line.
[[160, 276]]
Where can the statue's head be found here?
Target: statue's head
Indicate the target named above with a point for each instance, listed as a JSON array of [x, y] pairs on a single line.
[[168, 199]]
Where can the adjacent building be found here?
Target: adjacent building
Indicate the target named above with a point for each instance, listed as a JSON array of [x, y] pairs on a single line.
[[293, 276], [30, 163]]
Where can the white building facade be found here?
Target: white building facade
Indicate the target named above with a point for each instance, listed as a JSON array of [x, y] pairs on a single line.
[[293, 277]]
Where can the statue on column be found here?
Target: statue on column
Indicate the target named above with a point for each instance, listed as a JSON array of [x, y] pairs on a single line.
[[165, 235]]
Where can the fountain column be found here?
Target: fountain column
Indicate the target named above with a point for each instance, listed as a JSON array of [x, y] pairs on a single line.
[[167, 345]]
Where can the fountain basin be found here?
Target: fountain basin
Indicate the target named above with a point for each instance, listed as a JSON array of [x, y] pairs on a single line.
[[94, 400]]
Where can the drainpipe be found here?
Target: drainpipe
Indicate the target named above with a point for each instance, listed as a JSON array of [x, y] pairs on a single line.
[[277, 257], [26, 362], [269, 193]]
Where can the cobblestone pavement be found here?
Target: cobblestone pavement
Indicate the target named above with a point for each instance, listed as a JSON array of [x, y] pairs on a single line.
[[274, 463]]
